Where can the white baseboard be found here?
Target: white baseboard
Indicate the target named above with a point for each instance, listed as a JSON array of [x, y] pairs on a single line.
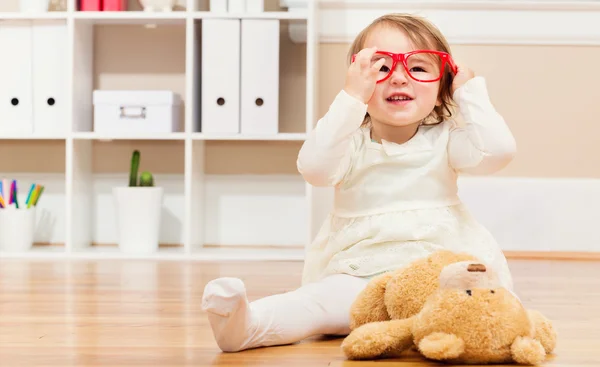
[[524, 22], [253, 210]]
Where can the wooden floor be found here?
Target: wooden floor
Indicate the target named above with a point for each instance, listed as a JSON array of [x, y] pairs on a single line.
[[145, 313]]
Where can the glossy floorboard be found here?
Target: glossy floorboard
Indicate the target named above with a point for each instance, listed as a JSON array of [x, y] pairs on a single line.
[[146, 313]]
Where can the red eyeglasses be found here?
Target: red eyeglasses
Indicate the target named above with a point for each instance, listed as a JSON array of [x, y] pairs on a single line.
[[422, 65]]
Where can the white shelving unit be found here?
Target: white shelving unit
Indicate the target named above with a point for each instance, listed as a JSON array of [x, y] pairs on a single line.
[[82, 206]]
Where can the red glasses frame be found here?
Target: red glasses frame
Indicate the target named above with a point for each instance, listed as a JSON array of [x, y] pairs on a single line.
[[401, 57]]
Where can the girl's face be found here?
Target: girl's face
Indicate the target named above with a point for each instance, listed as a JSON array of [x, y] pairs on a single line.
[[399, 100]]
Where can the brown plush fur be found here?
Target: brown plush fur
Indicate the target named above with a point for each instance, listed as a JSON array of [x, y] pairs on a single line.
[[467, 319], [394, 296]]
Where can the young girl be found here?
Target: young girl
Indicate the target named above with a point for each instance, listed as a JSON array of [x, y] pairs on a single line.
[[388, 146]]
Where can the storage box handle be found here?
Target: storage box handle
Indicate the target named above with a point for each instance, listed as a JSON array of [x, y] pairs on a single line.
[[133, 112]]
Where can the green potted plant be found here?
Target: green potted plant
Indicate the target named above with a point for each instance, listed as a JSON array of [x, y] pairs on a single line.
[[138, 211]]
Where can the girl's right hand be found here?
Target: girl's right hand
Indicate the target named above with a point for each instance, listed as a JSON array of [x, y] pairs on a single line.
[[362, 76]]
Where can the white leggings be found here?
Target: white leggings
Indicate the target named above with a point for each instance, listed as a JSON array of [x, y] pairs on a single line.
[[320, 308]]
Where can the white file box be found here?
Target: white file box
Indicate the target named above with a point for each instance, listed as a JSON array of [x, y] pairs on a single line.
[[136, 111], [16, 111], [236, 6], [260, 76], [220, 91], [218, 6], [49, 77], [255, 6]]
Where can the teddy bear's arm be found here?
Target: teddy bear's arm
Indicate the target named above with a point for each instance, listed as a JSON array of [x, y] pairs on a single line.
[[369, 305], [544, 330], [376, 339], [441, 346]]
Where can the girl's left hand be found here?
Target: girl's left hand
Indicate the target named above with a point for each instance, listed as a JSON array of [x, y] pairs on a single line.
[[463, 75]]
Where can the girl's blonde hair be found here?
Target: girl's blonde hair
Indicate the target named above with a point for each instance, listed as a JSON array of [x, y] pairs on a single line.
[[423, 35]]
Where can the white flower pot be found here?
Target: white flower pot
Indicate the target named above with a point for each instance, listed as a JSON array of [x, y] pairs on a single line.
[[138, 212], [17, 227], [34, 6]]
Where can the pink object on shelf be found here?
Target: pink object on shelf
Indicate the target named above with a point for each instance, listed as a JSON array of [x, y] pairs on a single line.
[[113, 5], [90, 5]]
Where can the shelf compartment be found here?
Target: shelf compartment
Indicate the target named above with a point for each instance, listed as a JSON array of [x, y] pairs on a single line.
[[245, 195], [126, 57], [100, 166], [43, 163], [215, 85]]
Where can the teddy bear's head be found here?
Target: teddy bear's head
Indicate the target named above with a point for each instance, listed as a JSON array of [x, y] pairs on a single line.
[[471, 318], [464, 316], [408, 289]]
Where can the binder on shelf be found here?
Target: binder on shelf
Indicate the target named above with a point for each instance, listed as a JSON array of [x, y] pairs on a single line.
[[90, 5], [218, 6], [236, 6], [49, 77], [255, 6], [16, 111], [220, 91], [260, 76], [114, 5]]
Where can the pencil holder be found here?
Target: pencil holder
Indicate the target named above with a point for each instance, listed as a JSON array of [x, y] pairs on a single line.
[[17, 227], [138, 211]]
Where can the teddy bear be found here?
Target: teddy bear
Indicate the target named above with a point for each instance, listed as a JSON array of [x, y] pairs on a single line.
[[394, 295], [467, 318]]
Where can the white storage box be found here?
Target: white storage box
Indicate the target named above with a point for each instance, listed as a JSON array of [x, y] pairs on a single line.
[[136, 111]]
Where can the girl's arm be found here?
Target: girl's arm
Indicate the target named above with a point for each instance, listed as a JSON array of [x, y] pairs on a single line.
[[326, 155], [485, 145]]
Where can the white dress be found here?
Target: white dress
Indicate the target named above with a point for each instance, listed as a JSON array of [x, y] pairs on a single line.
[[395, 203]]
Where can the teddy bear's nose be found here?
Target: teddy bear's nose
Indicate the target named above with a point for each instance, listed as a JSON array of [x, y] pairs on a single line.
[[476, 268]]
